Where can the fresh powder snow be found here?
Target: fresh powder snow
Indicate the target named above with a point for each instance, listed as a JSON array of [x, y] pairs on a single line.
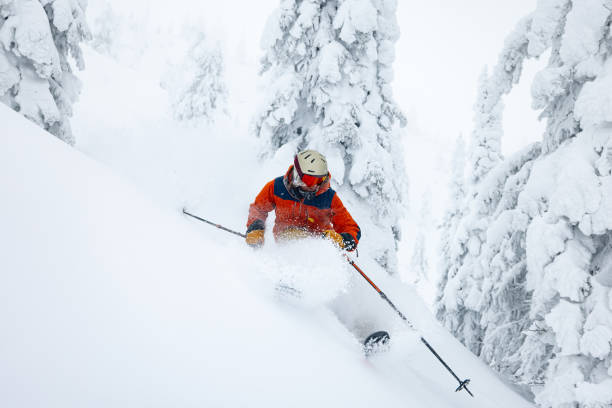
[[107, 298], [110, 296]]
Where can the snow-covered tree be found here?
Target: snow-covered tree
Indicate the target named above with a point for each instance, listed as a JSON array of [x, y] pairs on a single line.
[[196, 86], [448, 256], [37, 37], [529, 288], [485, 151], [328, 70], [419, 267], [131, 37], [106, 27]]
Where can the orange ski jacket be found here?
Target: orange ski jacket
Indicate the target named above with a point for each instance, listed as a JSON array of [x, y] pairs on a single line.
[[324, 212]]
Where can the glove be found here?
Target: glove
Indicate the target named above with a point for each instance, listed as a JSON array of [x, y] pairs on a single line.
[[344, 240], [255, 238], [334, 237], [349, 243]]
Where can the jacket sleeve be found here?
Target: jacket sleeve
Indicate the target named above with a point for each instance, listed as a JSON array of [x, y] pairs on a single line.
[[342, 220], [259, 209]]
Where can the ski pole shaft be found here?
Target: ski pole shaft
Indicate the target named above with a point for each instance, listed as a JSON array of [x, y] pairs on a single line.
[[213, 224], [462, 384], [380, 292]]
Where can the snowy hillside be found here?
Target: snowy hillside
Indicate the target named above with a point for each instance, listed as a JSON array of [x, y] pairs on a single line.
[[107, 300]]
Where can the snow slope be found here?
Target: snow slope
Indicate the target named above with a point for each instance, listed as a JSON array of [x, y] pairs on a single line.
[[108, 300]]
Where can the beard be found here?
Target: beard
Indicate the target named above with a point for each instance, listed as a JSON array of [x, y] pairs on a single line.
[[307, 195], [303, 194]]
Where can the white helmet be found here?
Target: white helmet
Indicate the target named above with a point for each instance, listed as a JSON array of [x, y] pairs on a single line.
[[310, 162]]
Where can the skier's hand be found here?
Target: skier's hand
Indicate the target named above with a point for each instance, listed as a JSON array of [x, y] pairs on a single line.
[[348, 243], [334, 237], [255, 238]]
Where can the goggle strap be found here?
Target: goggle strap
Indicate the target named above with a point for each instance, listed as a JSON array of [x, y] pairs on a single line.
[[296, 164]]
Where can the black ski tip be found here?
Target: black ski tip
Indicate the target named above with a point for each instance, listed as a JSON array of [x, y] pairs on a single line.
[[377, 337], [375, 342]]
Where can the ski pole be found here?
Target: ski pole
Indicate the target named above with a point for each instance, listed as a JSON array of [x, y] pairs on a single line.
[[213, 224], [462, 384]]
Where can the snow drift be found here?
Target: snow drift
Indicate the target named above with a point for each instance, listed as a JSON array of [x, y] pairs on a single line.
[[106, 300]]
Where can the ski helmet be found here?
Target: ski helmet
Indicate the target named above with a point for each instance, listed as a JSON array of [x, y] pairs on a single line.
[[310, 169]]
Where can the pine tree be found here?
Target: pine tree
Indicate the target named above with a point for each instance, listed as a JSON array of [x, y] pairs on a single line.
[[36, 40], [449, 255], [105, 28], [419, 267], [485, 151], [126, 38], [328, 69], [529, 291], [197, 88]]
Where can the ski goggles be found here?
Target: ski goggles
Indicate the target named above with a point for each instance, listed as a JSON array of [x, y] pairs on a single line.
[[307, 179]]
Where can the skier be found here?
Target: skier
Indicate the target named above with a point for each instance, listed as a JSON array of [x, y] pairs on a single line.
[[305, 205]]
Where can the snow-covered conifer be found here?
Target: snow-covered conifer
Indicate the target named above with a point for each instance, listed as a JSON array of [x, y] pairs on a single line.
[[105, 28], [419, 267], [529, 291], [485, 150], [196, 86], [456, 197], [126, 37], [36, 39], [328, 70]]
